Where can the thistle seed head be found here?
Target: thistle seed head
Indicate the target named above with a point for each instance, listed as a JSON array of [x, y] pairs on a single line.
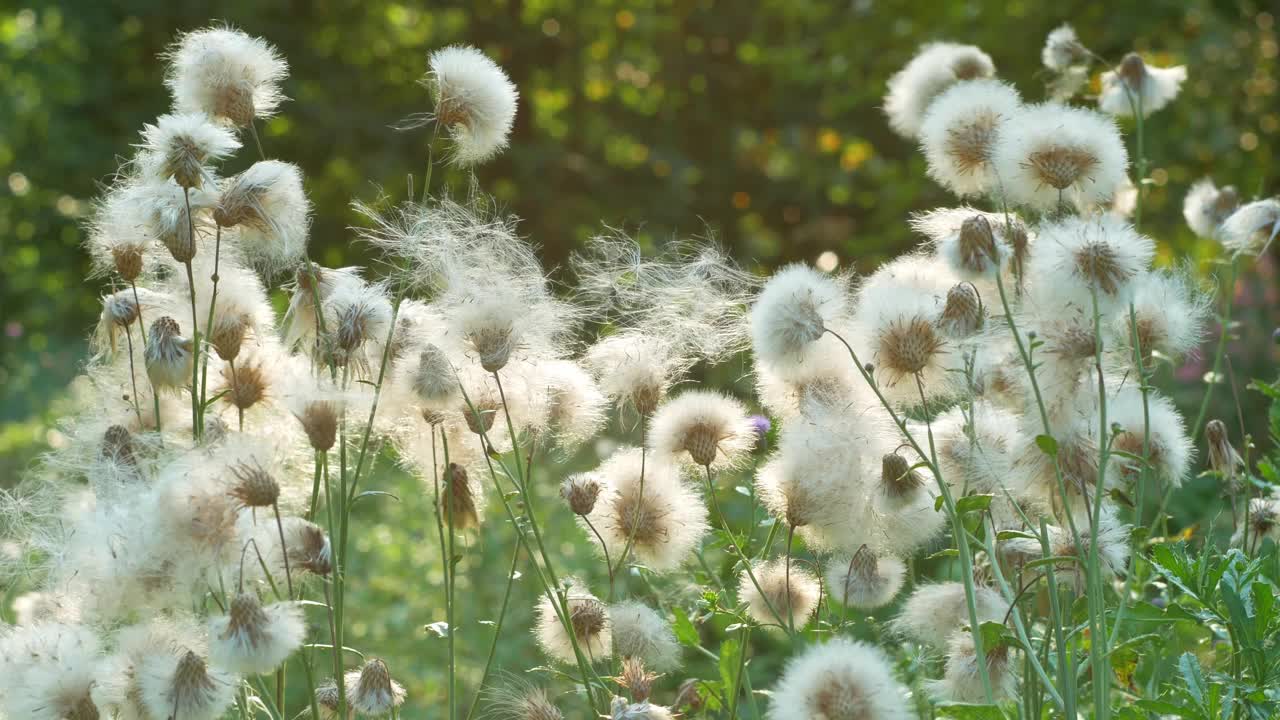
[[460, 503], [320, 421], [636, 679], [128, 261], [962, 314], [246, 385], [1099, 265], [907, 345], [1061, 166], [897, 477], [580, 492], [254, 486]]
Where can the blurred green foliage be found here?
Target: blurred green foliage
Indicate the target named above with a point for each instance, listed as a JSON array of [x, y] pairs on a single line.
[[755, 122]]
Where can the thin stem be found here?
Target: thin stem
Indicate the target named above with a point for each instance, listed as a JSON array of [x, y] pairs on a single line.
[[284, 550], [746, 562], [604, 547], [196, 411], [497, 630], [450, 582], [253, 130], [1228, 303], [208, 326], [742, 670], [133, 377], [791, 615], [446, 564], [635, 515]]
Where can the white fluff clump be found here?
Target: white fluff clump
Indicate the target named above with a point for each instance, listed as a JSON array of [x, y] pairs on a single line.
[[935, 611], [576, 406], [636, 369], [1062, 49], [1206, 206], [1169, 311], [959, 133], [790, 593], [640, 632], [933, 69], [1168, 450], [179, 684], [1078, 259], [269, 206], [664, 519], [357, 322], [797, 487], [1251, 229], [180, 145], [475, 101], [587, 615], [791, 315], [1135, 85], [253, 638], [311, 283], [47, 671], [1051, 152], [962, 679], [371, 690], [226, 74], [703, 427], [864, 581], [117, 689], [840, 678], [974, 244]]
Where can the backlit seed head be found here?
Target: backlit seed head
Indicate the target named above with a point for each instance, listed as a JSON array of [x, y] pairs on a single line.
[[636, 679], [977, 244], [371, 691], [962, 314], [327, 698], [246, 385], [320, 421], [254, 486], [687, 695], [178, 239], [460, 504], [589, 617], [494, 344], [897, 477], [310, 550], [1061, 166], [247, 619], [117, 445], [433, 379], [1223, 458], [908, 345], [968, 144], [128, 261], [234, 101], [645, 398], [1133, 70], [168, 354], [192, 683], [120, 309], [701, 441], [580, 491], [1098, 264], [480, 420], [228, 335]]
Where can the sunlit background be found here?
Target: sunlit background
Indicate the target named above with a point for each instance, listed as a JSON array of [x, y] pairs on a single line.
[[756, 123]]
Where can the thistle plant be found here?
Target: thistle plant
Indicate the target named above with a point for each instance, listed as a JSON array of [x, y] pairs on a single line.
[[948, 511]]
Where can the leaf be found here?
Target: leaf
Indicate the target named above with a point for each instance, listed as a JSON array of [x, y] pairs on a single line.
[[686, 633], [1015, 534], [973, 503], [947, 553], [1193, 676], [730, 650], [374, 493], [994, 636], [1047, 445]]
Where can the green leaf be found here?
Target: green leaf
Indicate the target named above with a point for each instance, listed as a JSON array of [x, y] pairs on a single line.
[[1015, 534], [686, 633], [730, 650], [1047, 445], [1193, 676], [947, 553], [973, 503]]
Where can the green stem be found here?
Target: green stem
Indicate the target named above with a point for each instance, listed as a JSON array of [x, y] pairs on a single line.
[[497, 631], [742, 670]]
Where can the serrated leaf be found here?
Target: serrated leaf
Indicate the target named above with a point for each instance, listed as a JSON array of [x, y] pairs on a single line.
[[1047, 445], [1193, 676]]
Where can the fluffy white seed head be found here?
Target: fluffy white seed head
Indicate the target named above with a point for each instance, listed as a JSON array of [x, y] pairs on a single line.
[[224, 73], [371, 690], [635, 369], [1133, 85], [933, 612], [269, 207], [1207, 206], [589, 618], [1062, 49], [663, 520], [1264, 523], [47, 671], [959, 133], [313, 283], [181, 146], [704, 427], [1252, 228], [791, 594], [962, 679], [1169, 315], [934, 68], [253, 638], [168, 355], [1080, 258], [791, 315], [1050, 152], [865, 581], [640, 632], [181, 684], [1158, 435], [475, 102], [840, 678], [576, 406]]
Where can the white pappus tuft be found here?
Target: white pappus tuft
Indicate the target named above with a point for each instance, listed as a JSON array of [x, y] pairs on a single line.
[[933, 69], [1080, 259], [640, 632], [1252, 228], [865, 581], [1134, 86], [704, 427], [227, 74], [933, 612], [781, 593], [475, 101], [959, 131], [269, 207], [1206, 206], [586, 614], [840, 678], [253, 638], [791, 314], [180, 146], [1051, 153]]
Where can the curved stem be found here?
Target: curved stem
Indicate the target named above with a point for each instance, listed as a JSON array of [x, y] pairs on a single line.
[[284, 550], [133, 376], [208, 326]]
